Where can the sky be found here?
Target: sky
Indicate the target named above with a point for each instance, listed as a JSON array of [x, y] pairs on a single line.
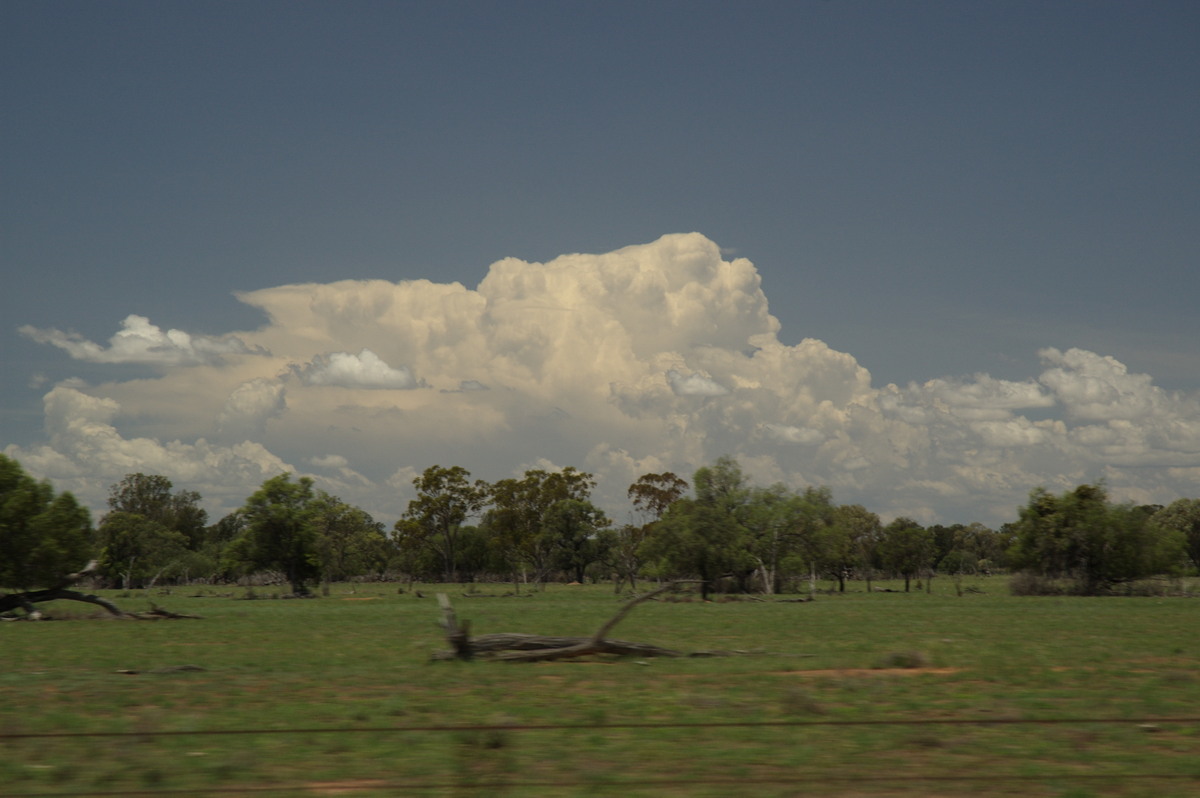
[[929, 254]]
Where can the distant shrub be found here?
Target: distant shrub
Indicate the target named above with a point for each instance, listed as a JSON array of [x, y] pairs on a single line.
[[904, 659], [1030, 584]]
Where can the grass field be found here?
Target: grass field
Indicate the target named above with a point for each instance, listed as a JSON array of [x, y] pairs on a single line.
[[337, 696]]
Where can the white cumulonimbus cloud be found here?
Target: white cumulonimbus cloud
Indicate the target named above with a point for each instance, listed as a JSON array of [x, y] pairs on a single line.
[[662, 356]]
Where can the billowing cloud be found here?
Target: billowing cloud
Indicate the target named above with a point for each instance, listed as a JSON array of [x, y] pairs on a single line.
[[248, 408], [139, 341], [86, 453], [364, 370], [694, 385], [786, 433], [1096, 388], [655, 357]]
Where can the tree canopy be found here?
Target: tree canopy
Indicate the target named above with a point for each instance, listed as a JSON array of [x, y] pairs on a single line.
[[44, 535], [722, 530], [446, 499], [1082, 536], [279, 531]]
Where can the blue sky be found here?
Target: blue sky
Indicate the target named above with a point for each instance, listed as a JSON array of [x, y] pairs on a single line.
[[946, 193]]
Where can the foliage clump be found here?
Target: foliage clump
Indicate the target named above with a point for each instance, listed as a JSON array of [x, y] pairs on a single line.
[[1083, 539], [43, 535]]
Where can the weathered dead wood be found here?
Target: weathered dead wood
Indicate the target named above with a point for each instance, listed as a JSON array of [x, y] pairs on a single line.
[[516, 647], [157, 613], [27, 599], [62, 592]]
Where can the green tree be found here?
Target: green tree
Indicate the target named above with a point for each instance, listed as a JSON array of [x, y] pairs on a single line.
[[46, 540], [573, 526], [906, 548], [476, 554], [519, 510], [1082, 536], [150, 531], [969, 548], [704, 535], [818, 542], [782, 526], [1183, 516], [217, 539], [43, 535], [150, 496], [651, 495], [445, 500], [412, 554], [349, 542], [279, 532], [136, 550], [854, 532]]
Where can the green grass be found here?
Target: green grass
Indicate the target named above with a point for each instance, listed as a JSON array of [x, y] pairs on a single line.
[[360, 660]]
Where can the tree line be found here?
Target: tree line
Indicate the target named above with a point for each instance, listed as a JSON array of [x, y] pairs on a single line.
[[720, 529]]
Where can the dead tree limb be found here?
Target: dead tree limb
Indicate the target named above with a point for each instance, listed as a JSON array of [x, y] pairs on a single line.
[[459, 637], [62, 592], [513, 647], [27, 599]]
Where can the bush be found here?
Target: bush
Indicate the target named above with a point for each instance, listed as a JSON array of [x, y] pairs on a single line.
[[1030, 584]]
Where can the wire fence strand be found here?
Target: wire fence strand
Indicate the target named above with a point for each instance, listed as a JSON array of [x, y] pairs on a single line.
[[518, 727], [409, 787], [478, 786]]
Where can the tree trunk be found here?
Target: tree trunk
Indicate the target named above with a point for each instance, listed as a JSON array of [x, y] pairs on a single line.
[[767, 577]]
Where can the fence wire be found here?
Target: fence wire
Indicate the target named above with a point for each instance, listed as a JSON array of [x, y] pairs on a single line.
[[519, 727], [491, 786], [409, 787]]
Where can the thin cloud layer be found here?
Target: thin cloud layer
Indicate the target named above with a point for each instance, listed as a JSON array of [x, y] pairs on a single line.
[[655, 357], [139, 341]]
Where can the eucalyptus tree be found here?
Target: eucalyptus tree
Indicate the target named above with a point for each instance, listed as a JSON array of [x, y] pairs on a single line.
[[151, 531], [573, 526], [906, 548], [775, 523], [279, 532], [136, 551], [705, 535], [446, 499], [46, 541], [1082, 536], [853, 536], [217, 538], [150, 496], [651, 495], [349, 542], [517, 519], [1183, 516]]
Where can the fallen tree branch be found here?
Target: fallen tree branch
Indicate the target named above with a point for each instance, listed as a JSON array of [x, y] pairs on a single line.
[[27, 599], [61, 592], [515, 647]]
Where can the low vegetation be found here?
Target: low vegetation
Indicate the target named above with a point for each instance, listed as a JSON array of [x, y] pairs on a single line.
[[730, 535], [1054, 656], [855, 693]]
